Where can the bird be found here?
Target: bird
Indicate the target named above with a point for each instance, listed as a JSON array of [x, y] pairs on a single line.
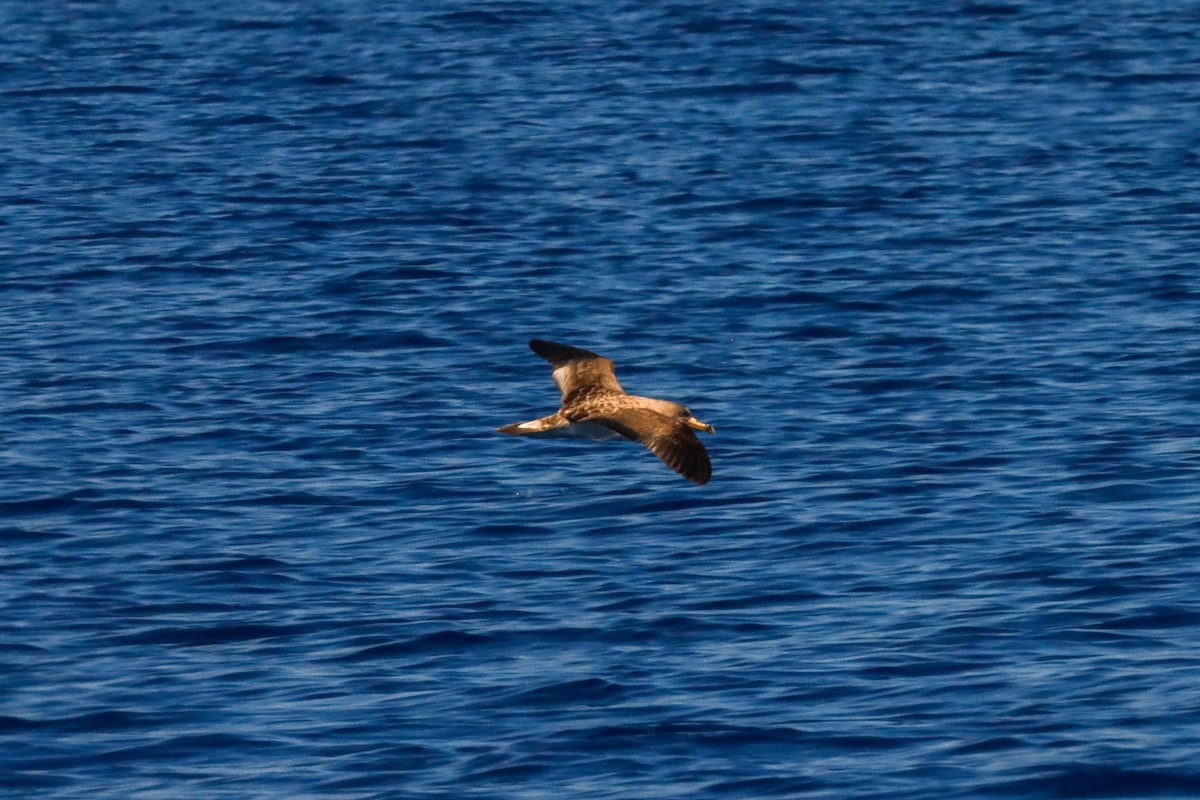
[[595, 407]]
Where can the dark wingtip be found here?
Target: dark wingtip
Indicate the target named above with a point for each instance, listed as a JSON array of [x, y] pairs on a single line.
[[700, 476], [540, 346], [694, 465], [554, 351]]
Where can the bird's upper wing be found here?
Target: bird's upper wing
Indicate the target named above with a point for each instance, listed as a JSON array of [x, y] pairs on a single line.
[[669, 439], [577, 372]]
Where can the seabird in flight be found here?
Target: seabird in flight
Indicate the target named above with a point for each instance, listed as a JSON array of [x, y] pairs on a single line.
[[594, 406]]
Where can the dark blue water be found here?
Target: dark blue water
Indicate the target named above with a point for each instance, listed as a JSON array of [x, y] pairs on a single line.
[[267, 270]]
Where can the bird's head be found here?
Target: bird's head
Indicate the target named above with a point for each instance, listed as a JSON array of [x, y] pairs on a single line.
[[684, 414], [675, 411]]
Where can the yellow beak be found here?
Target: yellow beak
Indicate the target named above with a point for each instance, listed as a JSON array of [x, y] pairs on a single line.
[[692, 422]]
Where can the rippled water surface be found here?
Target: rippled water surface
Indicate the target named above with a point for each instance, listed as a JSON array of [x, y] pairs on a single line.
[[267, 271]]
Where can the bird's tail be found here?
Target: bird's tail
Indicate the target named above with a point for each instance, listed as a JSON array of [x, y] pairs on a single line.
[[533, 426]]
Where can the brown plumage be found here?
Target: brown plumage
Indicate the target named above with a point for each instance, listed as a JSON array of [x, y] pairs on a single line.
[[595, 406]]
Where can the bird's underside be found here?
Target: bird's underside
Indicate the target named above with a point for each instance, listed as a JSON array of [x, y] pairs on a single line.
[[594, 406]]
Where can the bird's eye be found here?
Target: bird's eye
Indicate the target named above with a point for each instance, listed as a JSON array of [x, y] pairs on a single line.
[[683, 412]]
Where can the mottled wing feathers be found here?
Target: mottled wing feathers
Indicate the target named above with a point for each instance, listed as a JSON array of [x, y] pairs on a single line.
[[669, 439], [577, 372]]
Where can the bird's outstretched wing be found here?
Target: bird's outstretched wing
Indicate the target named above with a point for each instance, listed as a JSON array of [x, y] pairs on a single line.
[[577, 372], [669, 439]]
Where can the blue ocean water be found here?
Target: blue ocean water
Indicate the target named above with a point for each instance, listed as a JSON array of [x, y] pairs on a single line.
[[267, 271]]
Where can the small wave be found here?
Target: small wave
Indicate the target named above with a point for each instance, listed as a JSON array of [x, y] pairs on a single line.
[[585, 691], [731, 89], [195, 636], [1095, 781], [96, 721], [437, 643], [78, 91], [48, 504], [782, 786], [757, 601]]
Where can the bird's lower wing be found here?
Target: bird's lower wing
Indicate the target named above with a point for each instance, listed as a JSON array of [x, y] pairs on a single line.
[[669, 439]]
